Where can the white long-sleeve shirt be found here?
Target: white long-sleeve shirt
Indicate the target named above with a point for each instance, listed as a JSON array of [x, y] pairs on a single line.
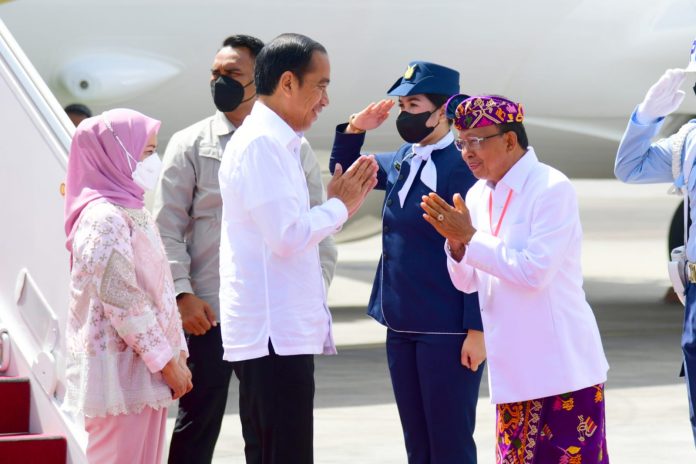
[[188, 208], [541, 335], [271, 284]]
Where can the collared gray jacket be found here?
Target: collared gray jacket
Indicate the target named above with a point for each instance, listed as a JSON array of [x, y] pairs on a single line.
[[188, 207]]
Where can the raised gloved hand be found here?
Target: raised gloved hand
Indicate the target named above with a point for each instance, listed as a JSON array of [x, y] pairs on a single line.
[[662, 98]]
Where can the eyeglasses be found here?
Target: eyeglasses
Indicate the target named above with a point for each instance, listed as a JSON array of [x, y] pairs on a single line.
[[472, 143]]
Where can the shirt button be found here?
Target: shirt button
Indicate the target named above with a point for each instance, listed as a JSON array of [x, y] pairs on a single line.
[[401, 176], [389, 202], [384, 256], [386, 228]]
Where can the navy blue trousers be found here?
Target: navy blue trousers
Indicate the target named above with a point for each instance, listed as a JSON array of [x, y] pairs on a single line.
[[688, 343], [436, 397]]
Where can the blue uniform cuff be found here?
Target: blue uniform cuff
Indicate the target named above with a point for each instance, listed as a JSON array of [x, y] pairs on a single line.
[[346, 148], [472, 312]]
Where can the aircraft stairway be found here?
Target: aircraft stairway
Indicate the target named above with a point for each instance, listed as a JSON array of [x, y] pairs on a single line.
[[35, 137]]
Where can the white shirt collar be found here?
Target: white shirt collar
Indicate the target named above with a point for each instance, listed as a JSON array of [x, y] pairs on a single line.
[[222, 125], [277, 126], [424, 151], [517, 175]]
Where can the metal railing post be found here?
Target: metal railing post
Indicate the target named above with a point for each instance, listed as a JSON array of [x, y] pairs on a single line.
[[4, 350]]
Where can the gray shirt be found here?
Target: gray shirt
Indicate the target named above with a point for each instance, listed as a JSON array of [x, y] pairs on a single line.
[[188, 207]]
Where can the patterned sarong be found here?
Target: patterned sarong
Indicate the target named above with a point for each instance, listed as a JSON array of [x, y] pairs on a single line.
[[561, 429]]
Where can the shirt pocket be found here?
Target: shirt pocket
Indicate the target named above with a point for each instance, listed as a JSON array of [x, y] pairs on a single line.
[[516, 236], [210, 157], [210, 151]]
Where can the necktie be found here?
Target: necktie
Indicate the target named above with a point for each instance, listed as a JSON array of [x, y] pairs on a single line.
[[428, 176]]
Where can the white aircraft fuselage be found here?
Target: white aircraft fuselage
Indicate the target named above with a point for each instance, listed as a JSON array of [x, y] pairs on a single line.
[[579, 67]]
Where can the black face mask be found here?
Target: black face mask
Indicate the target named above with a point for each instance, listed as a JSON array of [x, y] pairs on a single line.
[[228, 94], [412, 127]]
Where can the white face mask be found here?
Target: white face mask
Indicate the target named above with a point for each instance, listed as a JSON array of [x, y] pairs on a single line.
[[147, 172]]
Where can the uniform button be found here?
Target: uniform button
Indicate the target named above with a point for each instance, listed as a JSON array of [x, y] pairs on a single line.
[[389, 202], [384, 256], [401, 176], [386, 228]]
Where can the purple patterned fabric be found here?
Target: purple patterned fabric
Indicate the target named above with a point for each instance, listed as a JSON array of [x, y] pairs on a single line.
[[560, 429], [487, 110]]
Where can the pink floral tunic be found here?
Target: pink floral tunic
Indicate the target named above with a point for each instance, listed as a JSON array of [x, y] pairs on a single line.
[[123, 325]]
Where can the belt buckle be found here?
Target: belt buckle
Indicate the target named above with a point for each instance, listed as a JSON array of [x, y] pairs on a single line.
[[691, 272]]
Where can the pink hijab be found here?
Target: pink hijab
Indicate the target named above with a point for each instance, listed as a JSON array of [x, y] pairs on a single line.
[[98, 168]]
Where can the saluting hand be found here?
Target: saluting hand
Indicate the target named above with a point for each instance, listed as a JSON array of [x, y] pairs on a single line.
[[371, 116], [662, 98]]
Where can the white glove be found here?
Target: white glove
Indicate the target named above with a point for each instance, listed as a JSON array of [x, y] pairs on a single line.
[[662, 98]]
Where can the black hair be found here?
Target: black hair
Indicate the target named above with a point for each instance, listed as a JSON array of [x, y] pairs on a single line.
[[518, 129], [287, 52], [78, 108], [252, 44], [439, 100]]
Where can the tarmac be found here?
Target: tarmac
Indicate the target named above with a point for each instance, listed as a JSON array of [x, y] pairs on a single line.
[[624, 264]]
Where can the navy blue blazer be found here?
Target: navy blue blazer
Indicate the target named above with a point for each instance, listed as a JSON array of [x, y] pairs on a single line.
[[412, 290]]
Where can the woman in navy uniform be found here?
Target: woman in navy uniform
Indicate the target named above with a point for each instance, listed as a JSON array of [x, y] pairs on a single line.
[[434, 335]]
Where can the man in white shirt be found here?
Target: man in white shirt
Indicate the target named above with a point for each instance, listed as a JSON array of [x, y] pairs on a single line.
[[272, 296], [187, 207], [517, 241]]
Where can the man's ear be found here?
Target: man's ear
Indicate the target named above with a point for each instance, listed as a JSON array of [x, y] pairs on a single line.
[[510, 140], [287, 83]]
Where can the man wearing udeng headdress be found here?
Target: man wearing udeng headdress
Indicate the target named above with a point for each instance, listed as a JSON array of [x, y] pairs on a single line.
[[517, 242]]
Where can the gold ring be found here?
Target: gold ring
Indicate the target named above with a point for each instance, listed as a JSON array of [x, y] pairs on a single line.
[[440, 217]]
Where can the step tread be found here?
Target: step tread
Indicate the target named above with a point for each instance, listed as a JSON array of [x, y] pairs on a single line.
[[29, 437], [13, 379]]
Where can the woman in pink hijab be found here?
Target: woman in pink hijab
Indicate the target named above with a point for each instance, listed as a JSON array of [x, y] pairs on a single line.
[[126, 350]]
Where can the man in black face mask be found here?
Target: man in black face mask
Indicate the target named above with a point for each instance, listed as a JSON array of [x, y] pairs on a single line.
[[435, 346], [188, 208]]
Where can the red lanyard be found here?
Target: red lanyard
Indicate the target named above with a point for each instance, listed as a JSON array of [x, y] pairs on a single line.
[[502, 215]]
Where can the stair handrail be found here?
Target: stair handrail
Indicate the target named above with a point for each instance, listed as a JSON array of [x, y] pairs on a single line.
[[5, 351], [37, 91]]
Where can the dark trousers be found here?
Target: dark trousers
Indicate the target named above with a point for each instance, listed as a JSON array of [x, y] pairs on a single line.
[[201, 410], [688, 344], [276, 402], [436, 397]]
